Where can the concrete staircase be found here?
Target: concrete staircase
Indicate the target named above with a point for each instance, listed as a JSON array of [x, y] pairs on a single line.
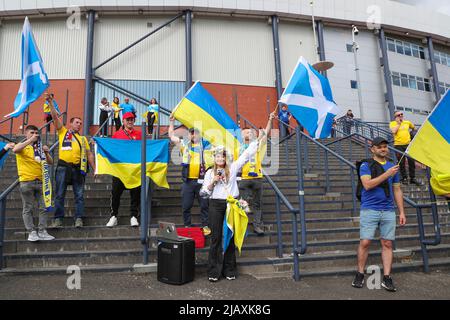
[[333, 230]]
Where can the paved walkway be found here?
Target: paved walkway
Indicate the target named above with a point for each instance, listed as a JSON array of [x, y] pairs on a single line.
[[411, 285]]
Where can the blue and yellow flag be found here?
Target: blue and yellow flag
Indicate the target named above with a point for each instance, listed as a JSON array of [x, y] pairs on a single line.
[[431, 144], [198, 109], [234, 225], [122, 159]]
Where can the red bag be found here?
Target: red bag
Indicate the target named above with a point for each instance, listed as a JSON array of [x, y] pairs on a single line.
[[195, 234]]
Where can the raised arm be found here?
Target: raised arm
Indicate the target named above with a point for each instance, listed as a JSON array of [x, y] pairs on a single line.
[[20, 146], [175, 140], [245, 156], [265, 133], [58, 123]]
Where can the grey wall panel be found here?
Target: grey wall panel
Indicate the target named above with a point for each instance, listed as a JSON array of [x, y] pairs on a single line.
[[63, 49], [159, 57], [233, 51]]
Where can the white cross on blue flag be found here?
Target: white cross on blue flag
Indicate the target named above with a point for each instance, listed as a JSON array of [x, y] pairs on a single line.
[[310, 100], [34, 79]]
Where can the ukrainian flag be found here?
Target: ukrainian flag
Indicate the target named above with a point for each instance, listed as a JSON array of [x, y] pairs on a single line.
[[234, 225], [198, 109], [431, 144], [122, 159]]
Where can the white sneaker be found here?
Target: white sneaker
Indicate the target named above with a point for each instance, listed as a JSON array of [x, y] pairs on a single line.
[[33, 236], [43, 235], [112, 222], [134, 222]]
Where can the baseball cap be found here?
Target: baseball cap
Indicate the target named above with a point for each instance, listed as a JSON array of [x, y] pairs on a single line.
[[128, 115], [379, 140]]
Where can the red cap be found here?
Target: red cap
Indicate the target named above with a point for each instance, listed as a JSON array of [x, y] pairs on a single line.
[[128, 115]]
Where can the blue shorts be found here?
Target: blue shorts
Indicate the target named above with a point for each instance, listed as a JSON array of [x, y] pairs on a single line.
[[370, 220]]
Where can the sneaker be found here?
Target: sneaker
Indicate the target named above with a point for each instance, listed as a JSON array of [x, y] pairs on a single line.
[[231, 278], [414, 181], [43, 235], [206, 231], [388, 284], [258, 230], [112, 222], [78, 223], [212, 279], [57, 223], [33, 236], [134, 222], [358, 281]]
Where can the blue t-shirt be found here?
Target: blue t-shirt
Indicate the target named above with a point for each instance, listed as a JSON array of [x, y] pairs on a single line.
[[375, 199], [284, 116], [127, 107], [153, 108]]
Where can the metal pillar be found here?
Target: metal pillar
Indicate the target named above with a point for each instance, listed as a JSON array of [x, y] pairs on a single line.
[[89, 83], [321, 43], [384, 62], [188, 23], [433, 70], [276, 49]]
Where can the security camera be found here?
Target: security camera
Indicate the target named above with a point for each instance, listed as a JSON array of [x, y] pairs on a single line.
[[355, 30]]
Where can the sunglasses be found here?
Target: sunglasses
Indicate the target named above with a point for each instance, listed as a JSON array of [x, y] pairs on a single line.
[[399, 115]]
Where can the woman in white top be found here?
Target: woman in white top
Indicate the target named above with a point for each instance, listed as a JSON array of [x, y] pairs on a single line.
[[220, 181], [105, 110]]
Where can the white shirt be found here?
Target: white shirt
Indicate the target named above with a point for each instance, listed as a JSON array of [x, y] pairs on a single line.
[[221, 191], [106, 108]]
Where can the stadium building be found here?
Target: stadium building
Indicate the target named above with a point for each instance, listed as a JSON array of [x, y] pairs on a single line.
[[242, 50]]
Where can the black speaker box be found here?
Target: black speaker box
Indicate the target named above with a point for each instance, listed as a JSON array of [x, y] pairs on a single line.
[[176, 261]]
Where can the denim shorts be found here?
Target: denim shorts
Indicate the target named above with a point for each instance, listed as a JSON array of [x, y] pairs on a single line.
[[371, 220]]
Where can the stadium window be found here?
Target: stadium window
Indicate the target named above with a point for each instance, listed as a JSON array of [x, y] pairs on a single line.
[[391, 44], [422, 53], [404, 80], [412, 82], [427, 85], [399, 108], [354, 84], [399, 46], [437, 57], [407, 48], [444, 59], [420, 84], [416, 110], [448, 60], [349, 47], [441, 88], [408, 110], [396, 79], [415, 50]]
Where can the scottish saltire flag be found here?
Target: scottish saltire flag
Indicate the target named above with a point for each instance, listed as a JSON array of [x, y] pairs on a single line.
[[2, 159], [34, 79], [309, 98], [431, 144], [200, 110], [234, 225], [122, 159]]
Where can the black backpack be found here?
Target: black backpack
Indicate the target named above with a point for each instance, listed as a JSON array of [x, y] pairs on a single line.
[[376, 170]]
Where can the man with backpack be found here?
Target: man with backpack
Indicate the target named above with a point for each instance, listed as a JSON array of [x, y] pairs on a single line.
[[378, 186]]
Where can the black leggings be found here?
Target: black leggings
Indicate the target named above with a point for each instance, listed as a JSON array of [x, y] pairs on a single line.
[[103, 117], [150, 121]]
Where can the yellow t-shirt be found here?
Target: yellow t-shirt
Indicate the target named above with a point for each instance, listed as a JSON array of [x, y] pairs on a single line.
[[402, 137], [258, 163], [46, 108], [116, 109], [27, 167], [194, 163], [74, 155]]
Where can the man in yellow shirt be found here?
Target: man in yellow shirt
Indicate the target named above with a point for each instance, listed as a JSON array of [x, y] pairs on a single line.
[[74, 154], [400, 128], [29, 155], [251, 184], [193, 171]]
